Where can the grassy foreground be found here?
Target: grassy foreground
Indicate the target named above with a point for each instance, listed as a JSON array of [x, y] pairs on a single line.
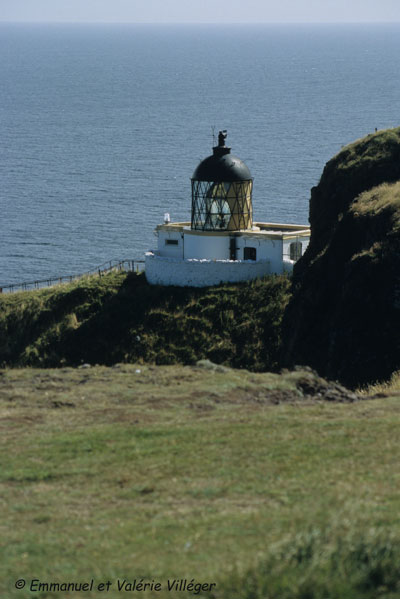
[[255, 482]]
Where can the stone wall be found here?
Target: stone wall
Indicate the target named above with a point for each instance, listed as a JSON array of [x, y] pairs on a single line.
[[162, 270]]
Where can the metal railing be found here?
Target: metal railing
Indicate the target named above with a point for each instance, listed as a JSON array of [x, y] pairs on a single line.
[[106, 267]]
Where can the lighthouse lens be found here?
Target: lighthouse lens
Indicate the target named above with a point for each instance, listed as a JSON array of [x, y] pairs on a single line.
[[219, 213]]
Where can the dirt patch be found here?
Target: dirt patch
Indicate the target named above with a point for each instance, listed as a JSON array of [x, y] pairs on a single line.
[[313, 386]]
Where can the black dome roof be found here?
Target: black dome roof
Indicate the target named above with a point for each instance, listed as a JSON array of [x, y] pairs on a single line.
[[221, 166]]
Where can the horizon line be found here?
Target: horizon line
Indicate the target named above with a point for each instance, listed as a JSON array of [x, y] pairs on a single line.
[[45, 22]]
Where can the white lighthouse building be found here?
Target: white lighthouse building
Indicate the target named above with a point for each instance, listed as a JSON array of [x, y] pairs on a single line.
[[222, 243]]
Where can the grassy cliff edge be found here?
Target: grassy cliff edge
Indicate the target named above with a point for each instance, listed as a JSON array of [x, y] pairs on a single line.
[[121, 318]]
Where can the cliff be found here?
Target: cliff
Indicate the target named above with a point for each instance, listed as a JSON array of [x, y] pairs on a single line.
[[344, 315], [121, 318]]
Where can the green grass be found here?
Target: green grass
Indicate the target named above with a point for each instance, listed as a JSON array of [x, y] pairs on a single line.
[[207, 473], [381, 201], [120, 318], [324, 565], [364, 153]]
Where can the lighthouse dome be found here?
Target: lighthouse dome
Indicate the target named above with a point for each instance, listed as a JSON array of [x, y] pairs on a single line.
[[221, 166]]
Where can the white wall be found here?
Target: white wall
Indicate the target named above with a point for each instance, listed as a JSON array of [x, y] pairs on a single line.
[[218, 247], [200, 273], [174, 251], [267, 249], [212, 249], [206, 247]]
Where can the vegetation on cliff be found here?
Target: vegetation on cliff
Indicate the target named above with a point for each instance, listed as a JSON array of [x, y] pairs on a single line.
[[344, 316], [121, 318]]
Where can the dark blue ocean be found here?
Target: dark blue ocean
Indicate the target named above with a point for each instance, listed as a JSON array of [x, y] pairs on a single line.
[[102, 126]]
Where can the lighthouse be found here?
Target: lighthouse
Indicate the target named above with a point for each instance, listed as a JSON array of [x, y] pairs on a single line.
[[222, 243]]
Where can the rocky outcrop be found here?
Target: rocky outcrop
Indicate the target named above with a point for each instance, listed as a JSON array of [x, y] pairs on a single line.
[[344, 315]]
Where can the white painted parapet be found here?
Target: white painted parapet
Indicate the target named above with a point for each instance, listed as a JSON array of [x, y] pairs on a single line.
[[162, 270]]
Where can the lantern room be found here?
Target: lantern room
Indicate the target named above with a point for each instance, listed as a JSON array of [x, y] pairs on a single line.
[[222, 192]]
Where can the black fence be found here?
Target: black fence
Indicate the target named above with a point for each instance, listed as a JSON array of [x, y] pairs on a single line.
[[110, 266]]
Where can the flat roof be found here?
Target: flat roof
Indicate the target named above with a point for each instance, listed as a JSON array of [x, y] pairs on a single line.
[[281, 230]]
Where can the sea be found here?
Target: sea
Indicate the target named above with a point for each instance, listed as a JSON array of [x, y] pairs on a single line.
[[102, 126]]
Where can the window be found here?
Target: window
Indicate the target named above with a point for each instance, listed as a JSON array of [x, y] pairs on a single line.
[[296, 250], [171, 241], [249, 253]]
